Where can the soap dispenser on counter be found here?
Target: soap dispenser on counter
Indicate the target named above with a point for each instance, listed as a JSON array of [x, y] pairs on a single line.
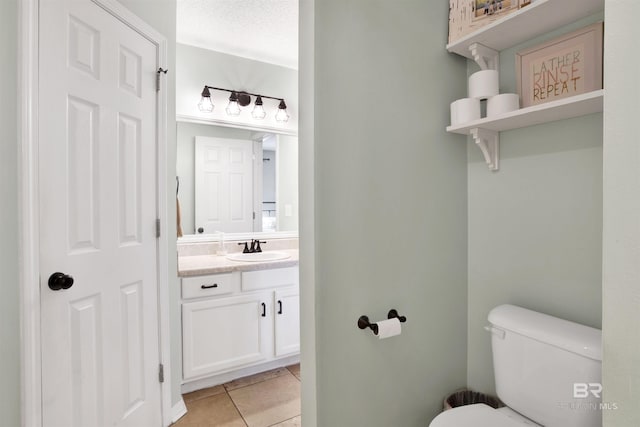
[[221, 249]]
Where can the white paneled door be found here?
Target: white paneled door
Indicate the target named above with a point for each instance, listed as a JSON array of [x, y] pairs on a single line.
[[98, 208], [224, 185]]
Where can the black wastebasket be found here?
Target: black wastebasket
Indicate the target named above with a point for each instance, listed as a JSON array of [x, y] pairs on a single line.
[[469, 397]]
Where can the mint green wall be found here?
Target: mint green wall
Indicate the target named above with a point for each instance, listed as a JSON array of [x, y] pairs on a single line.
[[9, 287], [390, 212], [535, 227], [535, 230], [621, 258]]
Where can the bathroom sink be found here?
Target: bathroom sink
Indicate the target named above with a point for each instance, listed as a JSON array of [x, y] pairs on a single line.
[[259, 256]]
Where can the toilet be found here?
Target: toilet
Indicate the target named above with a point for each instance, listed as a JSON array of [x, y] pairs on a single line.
[[547, 373]]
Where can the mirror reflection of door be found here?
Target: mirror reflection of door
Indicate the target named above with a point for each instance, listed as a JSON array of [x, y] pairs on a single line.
[[224, 185], [278, 213]]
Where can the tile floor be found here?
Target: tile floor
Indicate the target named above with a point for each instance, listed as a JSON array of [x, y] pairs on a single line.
[[268, 399]]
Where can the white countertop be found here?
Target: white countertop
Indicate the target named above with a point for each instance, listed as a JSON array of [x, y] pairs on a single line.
[[199, 265]]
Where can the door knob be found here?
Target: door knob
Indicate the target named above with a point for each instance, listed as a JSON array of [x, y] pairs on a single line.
[[59, 281]]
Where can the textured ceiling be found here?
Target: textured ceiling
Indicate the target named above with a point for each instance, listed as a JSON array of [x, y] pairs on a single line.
[[264, 30]]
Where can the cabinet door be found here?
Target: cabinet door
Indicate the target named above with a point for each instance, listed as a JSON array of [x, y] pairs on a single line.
[[287, 321], [225, 333]]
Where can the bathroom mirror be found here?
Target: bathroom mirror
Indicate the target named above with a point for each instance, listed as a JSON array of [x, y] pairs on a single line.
[[236, 180]]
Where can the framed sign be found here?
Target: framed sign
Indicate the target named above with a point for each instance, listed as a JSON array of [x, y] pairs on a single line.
[[566, 66]]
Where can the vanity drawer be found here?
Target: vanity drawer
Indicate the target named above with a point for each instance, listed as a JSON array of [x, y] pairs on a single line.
[[264, 279], [212, 285]]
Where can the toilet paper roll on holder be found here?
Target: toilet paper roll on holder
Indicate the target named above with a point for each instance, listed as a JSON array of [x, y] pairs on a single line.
[[363, 321]]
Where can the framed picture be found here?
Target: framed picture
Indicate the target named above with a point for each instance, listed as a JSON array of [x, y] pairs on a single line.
[[467, 16], [566, 66], [490, 9]]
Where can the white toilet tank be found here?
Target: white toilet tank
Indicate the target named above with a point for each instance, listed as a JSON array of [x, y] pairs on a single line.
[[547, 369]]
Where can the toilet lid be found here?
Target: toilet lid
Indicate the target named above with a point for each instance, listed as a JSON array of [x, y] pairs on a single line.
[[478, 415]]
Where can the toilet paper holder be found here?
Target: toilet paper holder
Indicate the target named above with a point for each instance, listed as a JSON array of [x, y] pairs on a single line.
[[363, 321]]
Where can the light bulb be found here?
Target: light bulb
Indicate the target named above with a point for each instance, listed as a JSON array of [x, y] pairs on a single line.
[[258, 111], [205, 105], [233, 109], [282, 115]]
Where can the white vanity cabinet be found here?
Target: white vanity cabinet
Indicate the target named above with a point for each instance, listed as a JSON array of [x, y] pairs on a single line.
[[235, 320], [286, 303], [223, 333], [287, 321]]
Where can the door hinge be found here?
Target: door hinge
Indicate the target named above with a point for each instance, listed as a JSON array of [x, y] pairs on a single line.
[[160, 71], [161, 373], [254, 215], [158, 228]]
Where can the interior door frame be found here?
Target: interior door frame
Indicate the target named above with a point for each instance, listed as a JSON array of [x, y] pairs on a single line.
[[28, 193], [257, 185]]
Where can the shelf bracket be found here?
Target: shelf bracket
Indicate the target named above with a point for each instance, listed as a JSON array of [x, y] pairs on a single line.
[[489, 143], [485, 57]]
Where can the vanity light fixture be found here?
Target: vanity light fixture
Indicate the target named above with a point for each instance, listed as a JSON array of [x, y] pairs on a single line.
[[237, 100]]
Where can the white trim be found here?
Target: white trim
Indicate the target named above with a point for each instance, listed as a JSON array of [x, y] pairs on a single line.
[[257, 184], [163, 241], [31, 386], [234, 237], [234, 374], [182, 118], [178, 411], [133, 21], [306, 191], [31, 382], [279, 210]]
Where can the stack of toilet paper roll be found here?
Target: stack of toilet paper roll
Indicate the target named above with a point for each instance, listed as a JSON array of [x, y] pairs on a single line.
[[483, 85]]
